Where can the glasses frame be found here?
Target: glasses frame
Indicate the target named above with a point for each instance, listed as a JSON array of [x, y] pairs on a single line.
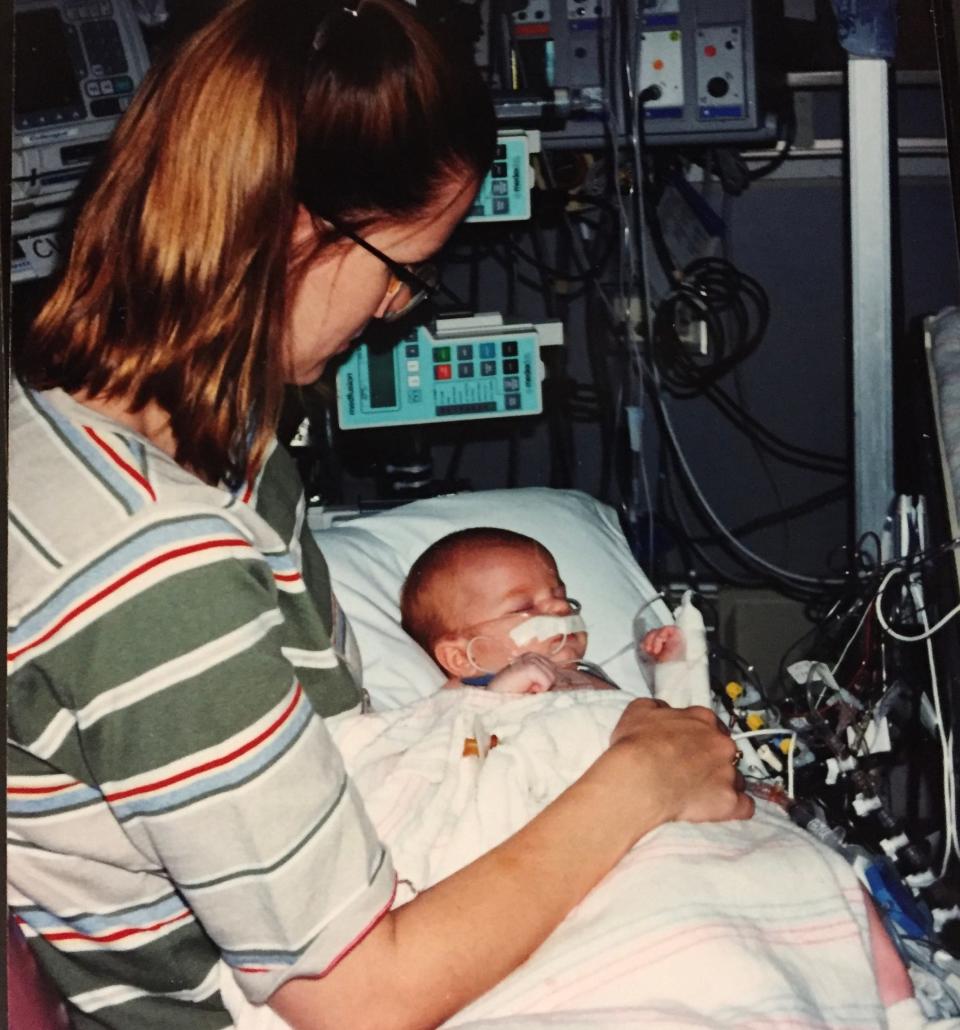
[[420, 289]]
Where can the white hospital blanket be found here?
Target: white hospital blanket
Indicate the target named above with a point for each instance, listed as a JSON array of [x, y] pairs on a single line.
[[741, 924]]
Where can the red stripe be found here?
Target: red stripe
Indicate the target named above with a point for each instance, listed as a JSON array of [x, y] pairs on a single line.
[[13, 791], [363, 933], [215, 762], [126, 466], [122, 581], [117, 935], [287, 577]]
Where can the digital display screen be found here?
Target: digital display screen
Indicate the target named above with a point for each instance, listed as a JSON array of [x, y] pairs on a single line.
[[44, 79], [383, 380]]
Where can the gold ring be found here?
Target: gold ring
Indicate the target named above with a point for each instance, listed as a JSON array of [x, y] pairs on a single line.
[[737, 755]]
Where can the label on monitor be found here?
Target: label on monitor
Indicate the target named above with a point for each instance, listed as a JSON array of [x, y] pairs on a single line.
[[426, 378]]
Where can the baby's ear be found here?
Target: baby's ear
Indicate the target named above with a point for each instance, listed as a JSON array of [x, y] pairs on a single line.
[[450, 654]]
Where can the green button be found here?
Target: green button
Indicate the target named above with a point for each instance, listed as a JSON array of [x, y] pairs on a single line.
[[441, 353]]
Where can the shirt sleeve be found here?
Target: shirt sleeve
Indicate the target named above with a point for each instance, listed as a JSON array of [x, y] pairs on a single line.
[[195, 692]]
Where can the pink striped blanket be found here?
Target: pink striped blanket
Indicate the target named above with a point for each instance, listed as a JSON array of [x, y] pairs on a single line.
[[749, 925]]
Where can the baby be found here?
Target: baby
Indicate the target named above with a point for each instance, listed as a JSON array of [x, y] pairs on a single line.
[[490, 608]]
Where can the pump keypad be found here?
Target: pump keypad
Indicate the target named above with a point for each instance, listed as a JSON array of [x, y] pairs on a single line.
[[427, 380]]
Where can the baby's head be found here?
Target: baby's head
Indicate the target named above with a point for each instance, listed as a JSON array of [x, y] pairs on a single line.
[[467, 592]]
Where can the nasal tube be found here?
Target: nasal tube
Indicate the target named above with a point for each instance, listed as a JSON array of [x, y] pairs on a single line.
[[544, 627]]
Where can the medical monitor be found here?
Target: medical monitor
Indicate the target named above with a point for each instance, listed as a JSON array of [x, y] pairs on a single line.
[[462, 369], [76, 67]]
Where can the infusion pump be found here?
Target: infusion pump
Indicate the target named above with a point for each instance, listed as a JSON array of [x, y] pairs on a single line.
[[77, 64], [464, 368]]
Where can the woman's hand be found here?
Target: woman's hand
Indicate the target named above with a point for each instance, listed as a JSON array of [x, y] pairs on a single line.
[[685, 760]]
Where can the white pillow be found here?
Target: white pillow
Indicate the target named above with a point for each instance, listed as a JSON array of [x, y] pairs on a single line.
[[369, 558]]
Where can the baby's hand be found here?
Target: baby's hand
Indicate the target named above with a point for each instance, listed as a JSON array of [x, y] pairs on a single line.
[[664, 644], [528, 674]]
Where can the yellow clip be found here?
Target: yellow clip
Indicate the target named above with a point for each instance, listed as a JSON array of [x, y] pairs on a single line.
[[786, 745], [733, 690], [755, 721]]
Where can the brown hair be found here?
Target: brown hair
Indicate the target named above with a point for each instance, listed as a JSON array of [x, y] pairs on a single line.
[[178, 280], [424, 614]]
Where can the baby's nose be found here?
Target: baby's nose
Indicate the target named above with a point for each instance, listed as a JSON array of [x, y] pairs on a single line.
[[558, 606]]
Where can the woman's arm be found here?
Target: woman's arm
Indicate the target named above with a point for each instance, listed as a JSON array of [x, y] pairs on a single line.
[[423, 962]]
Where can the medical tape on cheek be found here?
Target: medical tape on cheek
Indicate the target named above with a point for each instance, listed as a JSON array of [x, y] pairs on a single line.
[[543, 627]]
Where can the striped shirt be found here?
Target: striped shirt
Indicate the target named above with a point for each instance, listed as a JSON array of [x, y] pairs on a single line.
[[174, 799]]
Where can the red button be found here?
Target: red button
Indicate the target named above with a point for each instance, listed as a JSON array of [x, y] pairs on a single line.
[[710, 51], [658, 64], [443, 371]]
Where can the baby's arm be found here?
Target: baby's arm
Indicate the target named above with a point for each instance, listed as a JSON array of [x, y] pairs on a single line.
[[663, 644], [528, 674]]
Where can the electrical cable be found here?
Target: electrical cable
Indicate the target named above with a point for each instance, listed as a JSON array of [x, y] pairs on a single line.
[[793, 578], [782, 449], [713, 290]]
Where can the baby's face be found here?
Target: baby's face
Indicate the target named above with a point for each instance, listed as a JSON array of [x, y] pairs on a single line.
[[496, 589]]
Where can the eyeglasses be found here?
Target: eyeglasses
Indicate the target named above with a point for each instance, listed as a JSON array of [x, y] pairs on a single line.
[[422, 280]]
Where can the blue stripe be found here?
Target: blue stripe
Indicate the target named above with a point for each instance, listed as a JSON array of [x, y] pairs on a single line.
[[261, 958], [46, 922], [132, 498], [109, 566], [221, 779], [282, 563], [46, 804]]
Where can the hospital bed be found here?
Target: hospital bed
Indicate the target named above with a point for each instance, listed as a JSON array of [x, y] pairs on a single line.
[[939, 450], [719, 925]]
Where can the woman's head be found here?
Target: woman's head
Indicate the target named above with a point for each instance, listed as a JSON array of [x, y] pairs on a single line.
[[276, 117]]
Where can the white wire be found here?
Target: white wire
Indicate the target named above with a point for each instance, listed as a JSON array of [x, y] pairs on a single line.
[[927, 633], [951, 844], [856, 633], [792, 734]]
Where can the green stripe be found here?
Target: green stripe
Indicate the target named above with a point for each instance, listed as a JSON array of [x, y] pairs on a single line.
[[148, 1014], [165, 621], [33, 701], [34, 542], [142, 530], [277, 505], [211, 791], [179, 961]]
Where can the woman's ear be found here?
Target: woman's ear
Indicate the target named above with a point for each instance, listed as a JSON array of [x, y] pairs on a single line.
[[450, 653]]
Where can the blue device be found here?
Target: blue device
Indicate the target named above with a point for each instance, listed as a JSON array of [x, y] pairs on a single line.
[[467, 368], [504, 195]]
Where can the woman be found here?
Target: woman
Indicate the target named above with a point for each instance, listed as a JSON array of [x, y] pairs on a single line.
[[176, 807]]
